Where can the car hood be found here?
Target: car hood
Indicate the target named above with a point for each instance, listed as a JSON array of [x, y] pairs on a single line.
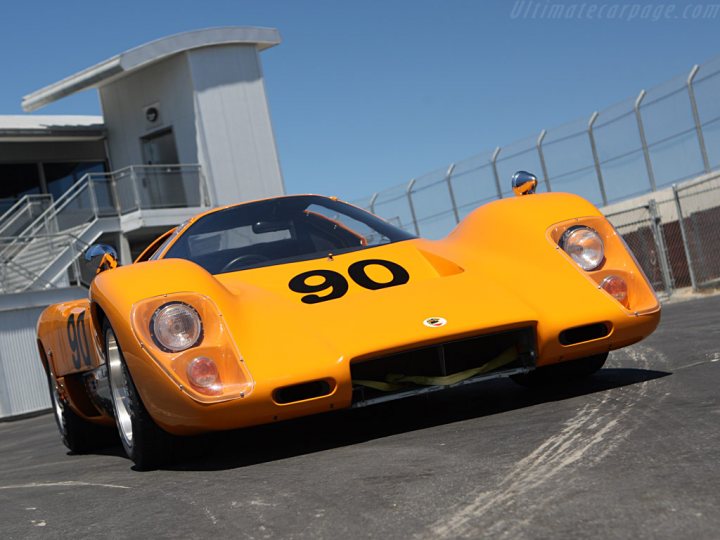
[[363, 321]]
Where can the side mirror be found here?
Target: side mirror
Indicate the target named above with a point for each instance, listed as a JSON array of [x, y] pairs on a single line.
[[524, 183], [100, 257]]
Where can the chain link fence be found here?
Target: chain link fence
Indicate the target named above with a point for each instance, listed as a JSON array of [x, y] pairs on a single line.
[[643, 232], [664, 137], [698, 209], [675, 235]]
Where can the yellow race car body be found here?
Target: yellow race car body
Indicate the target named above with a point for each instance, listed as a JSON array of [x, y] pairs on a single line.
[[498, 296]]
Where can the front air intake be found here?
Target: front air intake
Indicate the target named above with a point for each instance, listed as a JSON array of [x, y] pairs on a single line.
[[449, 363], [580, 334], [301, 392]]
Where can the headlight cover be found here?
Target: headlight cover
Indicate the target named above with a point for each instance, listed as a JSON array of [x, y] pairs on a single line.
[[584, 246], [175, 327], [213, 346]]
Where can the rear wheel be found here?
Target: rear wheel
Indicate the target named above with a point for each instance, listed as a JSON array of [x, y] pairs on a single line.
[[562, 373], [77, 434], [144, 442]]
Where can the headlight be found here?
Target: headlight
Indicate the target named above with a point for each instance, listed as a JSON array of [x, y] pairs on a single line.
[[176, 326], [584, 246]]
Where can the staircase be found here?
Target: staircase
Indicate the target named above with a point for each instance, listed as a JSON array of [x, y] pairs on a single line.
[[21, 214], [42, 251], [39, 250]]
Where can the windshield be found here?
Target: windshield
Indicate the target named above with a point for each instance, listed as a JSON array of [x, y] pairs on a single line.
[[281, 230]]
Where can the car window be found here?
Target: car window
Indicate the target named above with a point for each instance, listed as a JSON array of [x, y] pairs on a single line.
[[168, 241], [280, 230], [153, 247], [367, 234], [238, 237]]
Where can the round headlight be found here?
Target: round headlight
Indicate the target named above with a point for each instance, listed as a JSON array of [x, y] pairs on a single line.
[[584, 246], [175, 327]]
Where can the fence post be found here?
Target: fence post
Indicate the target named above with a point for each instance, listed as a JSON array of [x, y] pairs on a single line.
[[683, 233], [408, 191], [136, 191], [493, 162], [114, 191], [448, 180], [696, 117], [48, 231], [656, 224], [643, 140], [540, 139], [596, 159], [93, 197], [372, 202]]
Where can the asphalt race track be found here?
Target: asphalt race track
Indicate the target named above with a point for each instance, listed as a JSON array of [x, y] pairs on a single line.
[[634, 453]]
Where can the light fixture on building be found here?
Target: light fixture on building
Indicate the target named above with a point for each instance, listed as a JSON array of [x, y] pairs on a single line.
[[152, 114]]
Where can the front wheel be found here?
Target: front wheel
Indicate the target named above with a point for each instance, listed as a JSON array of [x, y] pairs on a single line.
[[562, 373], [144, 442]]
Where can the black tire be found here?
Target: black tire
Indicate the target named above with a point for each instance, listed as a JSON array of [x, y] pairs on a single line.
[[79, 435], [563, 373], [144, 442]]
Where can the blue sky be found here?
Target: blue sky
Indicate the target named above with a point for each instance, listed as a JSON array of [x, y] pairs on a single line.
[[367, 94]]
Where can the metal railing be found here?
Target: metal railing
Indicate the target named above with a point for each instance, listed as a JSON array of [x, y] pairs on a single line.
[[663, 136], [63, 229], [146, 187], [23, 272], [23, 212]]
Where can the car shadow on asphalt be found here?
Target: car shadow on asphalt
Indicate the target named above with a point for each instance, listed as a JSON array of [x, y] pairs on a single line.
[[287, 439]]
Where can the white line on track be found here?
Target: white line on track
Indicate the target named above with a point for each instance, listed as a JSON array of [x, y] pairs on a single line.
[[587, 438], [712, 358], [68, 483]]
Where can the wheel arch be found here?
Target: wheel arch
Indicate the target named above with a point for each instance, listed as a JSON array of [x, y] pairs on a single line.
[[98, 318], [43, 356]]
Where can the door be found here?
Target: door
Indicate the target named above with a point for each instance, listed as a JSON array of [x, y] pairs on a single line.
[[161, 187]]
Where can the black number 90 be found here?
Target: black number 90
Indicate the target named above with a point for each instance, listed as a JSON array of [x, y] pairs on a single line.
[[338, 285], [78, 340]]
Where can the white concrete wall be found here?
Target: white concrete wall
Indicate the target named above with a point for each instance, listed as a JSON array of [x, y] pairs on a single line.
[[23, 383], [235, 138], [23, 386], [214, 100], [167, 84], [696, 195]]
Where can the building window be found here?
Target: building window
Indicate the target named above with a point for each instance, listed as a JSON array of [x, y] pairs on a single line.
[[60, 176], [18, 179]]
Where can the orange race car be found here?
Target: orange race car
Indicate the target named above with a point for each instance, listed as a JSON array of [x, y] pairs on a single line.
[[291, 306]]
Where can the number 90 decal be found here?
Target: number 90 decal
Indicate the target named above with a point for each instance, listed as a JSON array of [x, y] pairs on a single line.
[[78, 340], [338, 285]]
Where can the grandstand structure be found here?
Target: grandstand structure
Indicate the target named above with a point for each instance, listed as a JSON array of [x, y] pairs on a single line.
[[185, 126]]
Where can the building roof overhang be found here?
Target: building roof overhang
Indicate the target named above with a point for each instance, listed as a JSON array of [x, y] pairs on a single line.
[[26, 128], [144, 55]]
